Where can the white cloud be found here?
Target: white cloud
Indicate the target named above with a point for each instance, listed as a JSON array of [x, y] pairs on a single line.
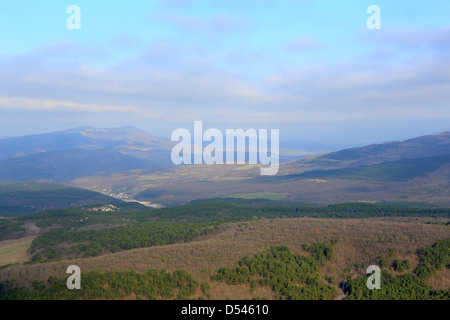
[[171, 85], [58, 105]]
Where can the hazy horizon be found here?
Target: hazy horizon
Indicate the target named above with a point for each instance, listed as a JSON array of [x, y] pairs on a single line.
[[311, 68], [289, 143]]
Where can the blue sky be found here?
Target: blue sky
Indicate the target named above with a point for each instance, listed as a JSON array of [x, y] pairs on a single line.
[[310, 68]]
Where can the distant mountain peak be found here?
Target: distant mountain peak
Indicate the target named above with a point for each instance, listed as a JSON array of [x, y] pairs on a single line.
[[81, 151]]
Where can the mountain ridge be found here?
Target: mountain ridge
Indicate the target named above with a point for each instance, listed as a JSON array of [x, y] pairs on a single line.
[[119, 163], [415, 170], [423, 146], [31, 196], [53, 156]]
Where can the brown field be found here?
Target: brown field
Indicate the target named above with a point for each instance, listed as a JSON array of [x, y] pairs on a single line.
[[14, 251], [360, 243], [178, 185]]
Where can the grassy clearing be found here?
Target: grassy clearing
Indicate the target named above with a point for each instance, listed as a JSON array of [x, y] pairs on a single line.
[[14, 251]]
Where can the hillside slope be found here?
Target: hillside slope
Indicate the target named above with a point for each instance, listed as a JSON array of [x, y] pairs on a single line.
[[29, 197], [361, 243], [399, 170], [425, 146]]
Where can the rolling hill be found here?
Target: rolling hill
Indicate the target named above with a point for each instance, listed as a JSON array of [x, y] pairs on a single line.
[[425, 146], [389, 171], [29, 197], [217, 246]]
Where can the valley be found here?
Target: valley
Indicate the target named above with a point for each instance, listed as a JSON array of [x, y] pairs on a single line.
[[220, 232], [397, 172], [224, 159]]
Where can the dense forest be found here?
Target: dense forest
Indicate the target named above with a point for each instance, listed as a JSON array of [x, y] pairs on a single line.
[[110, 285], [90, 243], [28, 197], [222, 211], [292, 277], [409, 286], [90, 231], [8, 226]]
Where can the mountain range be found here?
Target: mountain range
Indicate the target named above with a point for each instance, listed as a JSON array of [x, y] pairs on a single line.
[[79, 152], [425, 146], [133, 163], [415, 170]]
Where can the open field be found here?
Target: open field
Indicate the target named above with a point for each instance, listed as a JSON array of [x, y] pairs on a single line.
[[179, 185], [14, 251], [360, 243]]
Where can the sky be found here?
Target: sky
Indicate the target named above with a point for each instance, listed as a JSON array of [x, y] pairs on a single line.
[[311, 68]]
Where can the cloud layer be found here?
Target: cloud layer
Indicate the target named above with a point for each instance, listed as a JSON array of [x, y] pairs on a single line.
[[204, 73]]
